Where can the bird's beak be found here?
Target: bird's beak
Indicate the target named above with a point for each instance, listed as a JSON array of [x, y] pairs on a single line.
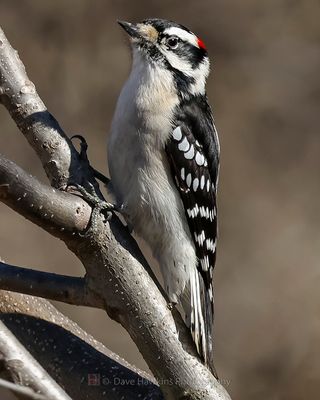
[[140, 31], [132, 29]]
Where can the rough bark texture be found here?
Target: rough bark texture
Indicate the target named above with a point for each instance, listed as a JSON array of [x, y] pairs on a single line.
[[69, 354], [116, 271], [19, 362]]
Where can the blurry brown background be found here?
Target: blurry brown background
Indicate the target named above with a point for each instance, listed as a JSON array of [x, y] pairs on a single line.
[[265, 90]]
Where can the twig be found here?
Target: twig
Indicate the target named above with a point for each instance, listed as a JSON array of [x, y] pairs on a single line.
[[26, 392], [63, 288], [25, 370], [72, 356]]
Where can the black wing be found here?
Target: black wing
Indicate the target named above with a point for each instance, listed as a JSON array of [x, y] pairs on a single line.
[[193, 153]]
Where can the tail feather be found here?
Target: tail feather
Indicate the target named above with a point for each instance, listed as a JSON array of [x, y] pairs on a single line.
[[198, 306]]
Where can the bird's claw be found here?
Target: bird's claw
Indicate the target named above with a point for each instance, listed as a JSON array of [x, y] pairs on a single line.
[[84, 156], [99, 206], [83, 146], [89, 193]]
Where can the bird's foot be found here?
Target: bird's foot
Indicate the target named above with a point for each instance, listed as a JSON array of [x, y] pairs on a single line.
[[99, 205], [84, 157]]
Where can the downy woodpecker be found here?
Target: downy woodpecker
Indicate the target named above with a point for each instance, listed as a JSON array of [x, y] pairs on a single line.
[[163, 155]]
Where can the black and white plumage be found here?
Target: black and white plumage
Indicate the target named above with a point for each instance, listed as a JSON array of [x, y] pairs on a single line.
[[194, 162], [163, 157]]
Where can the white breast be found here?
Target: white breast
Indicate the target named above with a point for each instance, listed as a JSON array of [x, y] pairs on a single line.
[[141, 125], [140, 173]]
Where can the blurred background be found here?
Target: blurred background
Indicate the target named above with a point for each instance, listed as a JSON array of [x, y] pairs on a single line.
[[265, 91]]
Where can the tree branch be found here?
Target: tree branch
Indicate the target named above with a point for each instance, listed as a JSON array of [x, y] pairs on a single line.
[[24, 391], [59, 158], [116, 271], [24, 369], [49, 208], [63, 288], [70, 355]]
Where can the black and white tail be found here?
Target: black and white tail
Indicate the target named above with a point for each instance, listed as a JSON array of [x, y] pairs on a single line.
[[198, 307]]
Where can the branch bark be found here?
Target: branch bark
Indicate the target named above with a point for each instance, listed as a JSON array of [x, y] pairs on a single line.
[[23, 368], [59, 158], [116, 271], [70, 355], [52, 209], [24, 391], [51, 286]]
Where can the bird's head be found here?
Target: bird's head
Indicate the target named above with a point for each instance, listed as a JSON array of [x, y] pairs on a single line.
[[166, 44]]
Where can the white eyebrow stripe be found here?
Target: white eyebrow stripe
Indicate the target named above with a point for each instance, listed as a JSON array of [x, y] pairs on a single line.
[[182, 34]]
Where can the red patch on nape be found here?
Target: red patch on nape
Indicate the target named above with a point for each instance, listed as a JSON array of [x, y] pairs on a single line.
[[201, 44]]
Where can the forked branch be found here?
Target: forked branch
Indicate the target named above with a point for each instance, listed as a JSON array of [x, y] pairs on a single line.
[[116, 271]]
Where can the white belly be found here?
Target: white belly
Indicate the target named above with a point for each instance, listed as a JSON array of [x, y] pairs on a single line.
[[142, 183]]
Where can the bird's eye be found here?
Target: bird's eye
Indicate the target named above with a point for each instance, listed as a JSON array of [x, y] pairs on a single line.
[[173, 42]]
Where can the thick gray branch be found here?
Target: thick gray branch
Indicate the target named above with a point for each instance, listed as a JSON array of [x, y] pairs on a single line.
[[116, 271], [24, 369], [52, 209], [55, 150], [70, 355], [51, 286]]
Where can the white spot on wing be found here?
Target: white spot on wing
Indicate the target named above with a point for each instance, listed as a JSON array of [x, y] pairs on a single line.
[[211, 245], [184, 145], [188, 180], [202, 182], [182, 173], [199, 158], [193, 212], [177, 134], [195, 184], [211, 215], [189, 154], [202, 211], [208, 185], [204, 263], [200, 238], [196, 208]]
